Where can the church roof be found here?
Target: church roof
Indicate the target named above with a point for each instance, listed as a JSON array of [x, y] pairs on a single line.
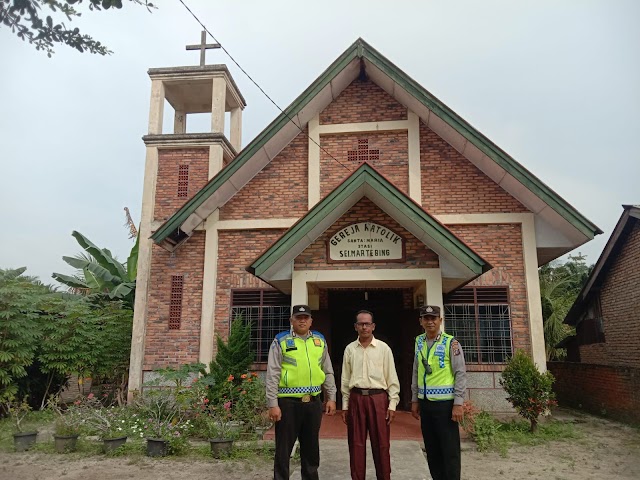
[[559, 227], [458, 262]]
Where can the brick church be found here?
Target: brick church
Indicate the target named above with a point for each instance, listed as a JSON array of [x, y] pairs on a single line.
[[368, 192]]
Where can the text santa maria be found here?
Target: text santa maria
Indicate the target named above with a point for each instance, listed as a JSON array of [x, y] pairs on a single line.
[[365, 241]]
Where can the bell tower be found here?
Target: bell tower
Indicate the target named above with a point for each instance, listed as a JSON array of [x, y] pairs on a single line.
[[178, 164]]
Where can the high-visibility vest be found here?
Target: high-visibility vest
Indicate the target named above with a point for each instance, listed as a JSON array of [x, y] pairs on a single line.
[[437, 385], [301, 372]]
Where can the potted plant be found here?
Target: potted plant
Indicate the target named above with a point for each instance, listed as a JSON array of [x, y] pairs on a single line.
[[108, 423], [164, 428], [18, 411], [67, 425]]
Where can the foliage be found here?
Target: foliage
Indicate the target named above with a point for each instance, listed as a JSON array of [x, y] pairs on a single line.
[[68, 420], [106, 422], [251, 401], [528, 390], [20, 297], [234, 356], [26, 19], [560, 284], [99, 272], [17, 410], [84, 338], [485, 431]]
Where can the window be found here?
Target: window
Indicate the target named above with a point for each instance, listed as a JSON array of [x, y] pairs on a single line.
[[480, 319], [175, 302], [183, 180], [268, 311]]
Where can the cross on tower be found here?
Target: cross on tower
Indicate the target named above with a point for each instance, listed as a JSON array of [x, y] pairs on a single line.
[[363, 154], [203, 46]]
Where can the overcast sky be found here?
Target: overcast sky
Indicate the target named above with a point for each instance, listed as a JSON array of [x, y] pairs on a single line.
[[556, 84]]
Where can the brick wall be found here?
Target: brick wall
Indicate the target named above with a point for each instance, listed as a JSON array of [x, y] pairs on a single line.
[[452, 184], [363, 102], [619, 301], [392, 160], [314, 257], [169, 160], [501, 246], [612, 391], [232, 261], [164, 347], [280, 189]]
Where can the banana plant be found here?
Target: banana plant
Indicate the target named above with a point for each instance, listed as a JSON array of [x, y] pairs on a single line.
[[98, 271]]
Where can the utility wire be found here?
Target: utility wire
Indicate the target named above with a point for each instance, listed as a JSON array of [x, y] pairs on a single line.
[[256, 84]]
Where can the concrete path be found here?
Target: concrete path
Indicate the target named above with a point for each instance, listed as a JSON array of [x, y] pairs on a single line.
[[407, 461]]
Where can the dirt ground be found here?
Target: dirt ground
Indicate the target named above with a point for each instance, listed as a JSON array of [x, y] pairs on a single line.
[[605, 450]]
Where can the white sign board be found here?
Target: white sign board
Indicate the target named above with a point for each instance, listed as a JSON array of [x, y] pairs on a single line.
[[365, 241]]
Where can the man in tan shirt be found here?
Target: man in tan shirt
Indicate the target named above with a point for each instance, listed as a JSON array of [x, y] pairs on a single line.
[[370, 392]]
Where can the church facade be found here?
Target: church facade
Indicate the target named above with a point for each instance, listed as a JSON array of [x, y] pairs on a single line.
[[367, 192]]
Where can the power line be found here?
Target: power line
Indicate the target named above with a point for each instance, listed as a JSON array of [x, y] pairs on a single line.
[[256, 84]]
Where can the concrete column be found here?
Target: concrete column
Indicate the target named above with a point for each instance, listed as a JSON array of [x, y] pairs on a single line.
[[314, 162], [536, 324], [235, 133], [216, 160], [415, 180], [434, 290], [299, 291], [136, 359], [207, 320], [180, 122], [218, 104], [156, 108]]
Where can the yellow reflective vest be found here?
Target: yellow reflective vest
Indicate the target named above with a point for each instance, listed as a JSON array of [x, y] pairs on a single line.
[[439, 384], [301, 372]]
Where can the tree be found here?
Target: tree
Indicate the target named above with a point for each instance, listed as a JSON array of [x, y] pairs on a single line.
[[560, 284], [26, 19], [20, 297], [234, 356], [528, 390], [87, 337], [99, 272]]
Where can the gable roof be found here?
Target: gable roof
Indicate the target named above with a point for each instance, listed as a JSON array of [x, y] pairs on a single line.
[[458, 262], [630, 216], [559, 227]]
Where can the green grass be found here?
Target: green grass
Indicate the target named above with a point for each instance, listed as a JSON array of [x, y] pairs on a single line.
[[492, 435]]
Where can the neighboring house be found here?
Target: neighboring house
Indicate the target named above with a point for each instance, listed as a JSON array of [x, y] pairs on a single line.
[[602, 372], [368, 192]]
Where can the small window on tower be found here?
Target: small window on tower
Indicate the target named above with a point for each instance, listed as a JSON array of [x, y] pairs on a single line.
[[175, 302], [183, 180]]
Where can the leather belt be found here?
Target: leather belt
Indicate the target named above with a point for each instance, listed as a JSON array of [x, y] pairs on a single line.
[[368, 391], [303, 399]]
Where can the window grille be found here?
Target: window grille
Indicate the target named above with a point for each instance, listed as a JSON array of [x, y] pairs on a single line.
[[183, 180], [267, 311], [480, 318], [175, 303]]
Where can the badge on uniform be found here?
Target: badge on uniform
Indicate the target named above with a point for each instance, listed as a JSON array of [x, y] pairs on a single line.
[[317, 342], [291, 344], [455, 347]]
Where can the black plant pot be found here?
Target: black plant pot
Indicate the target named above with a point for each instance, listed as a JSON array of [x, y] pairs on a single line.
[[220, 447], [111, 444], [66, 443], [156, 447], [23, 441]]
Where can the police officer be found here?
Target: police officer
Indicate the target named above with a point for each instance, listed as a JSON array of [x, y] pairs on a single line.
[[298, 367], [437, 394]]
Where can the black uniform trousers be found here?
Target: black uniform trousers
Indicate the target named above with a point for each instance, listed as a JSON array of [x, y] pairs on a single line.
[[302, 421], [441, 439]]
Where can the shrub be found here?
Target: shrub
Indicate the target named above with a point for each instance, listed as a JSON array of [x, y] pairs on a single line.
[[485, 431], [528, 390], [470, 412]]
